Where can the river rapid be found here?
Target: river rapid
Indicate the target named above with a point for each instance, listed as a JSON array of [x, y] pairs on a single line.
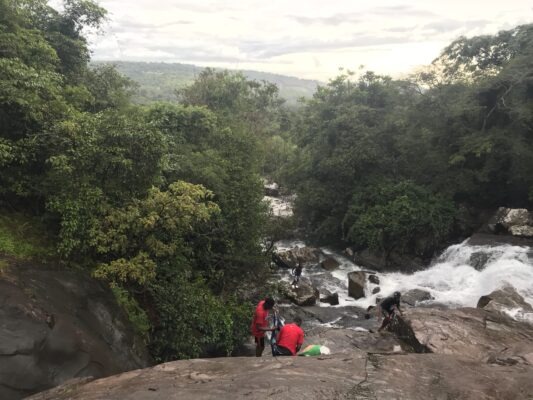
[[457, 278]]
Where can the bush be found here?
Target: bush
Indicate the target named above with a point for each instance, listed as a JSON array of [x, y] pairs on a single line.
[[398, 216], [191, 319]]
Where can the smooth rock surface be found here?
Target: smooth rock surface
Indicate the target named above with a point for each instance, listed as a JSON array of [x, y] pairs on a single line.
[[467, 332], [56, 325]]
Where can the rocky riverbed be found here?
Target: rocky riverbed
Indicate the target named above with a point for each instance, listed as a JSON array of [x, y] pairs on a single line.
[[431, 353]]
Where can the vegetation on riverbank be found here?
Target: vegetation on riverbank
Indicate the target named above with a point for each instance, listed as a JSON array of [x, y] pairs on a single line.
[[163, 201]]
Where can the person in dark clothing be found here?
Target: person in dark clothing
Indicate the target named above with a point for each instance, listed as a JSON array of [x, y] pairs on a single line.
[[297, 272], [388, 307]]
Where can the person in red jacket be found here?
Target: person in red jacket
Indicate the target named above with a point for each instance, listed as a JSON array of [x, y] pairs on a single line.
[[290, 339], [260, 324]]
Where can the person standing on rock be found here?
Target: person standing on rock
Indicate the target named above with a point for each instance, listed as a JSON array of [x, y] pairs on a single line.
[[260, 324], [290, 339], [297, 272], [388, 307]]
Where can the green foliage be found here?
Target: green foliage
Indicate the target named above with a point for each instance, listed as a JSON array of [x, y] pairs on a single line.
[[192, 319], [225, 162], [136, 315], [153, 231], [400, 216], [23, 237], [121, 186]]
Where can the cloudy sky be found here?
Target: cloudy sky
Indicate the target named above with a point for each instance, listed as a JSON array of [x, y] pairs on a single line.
[[303, 38]]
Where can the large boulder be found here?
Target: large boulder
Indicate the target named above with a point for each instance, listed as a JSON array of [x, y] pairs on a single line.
[[471, 333], [304, 295], [415, 296], [504, 300], [515, 221], [290, 258], [56, 325], [329, 264], [356, 284]]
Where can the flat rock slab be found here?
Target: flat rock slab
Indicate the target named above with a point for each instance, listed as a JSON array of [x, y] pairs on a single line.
[[296, 378], [356, 376], [472, 333]]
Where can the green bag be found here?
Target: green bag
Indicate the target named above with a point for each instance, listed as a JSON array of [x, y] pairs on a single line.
[[314, 350]]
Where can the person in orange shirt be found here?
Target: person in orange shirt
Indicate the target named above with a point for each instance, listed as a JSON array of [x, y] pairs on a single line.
[[290, 339], [260, 324]]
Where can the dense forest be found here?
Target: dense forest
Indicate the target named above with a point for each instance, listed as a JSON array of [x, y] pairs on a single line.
[[163, 201]]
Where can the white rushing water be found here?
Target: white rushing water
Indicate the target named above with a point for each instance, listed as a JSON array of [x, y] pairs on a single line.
[[452, 279]]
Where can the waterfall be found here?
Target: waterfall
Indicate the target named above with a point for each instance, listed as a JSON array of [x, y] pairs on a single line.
[[457, 278]]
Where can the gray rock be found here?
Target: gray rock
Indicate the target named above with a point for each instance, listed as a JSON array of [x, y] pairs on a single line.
[[374, 279], [348, 252], [356, 284], [516, 221], [329, 264], [478, 260], [330, 298], [522, 230], [290, 258], [303, 295], [503, 300], [471, 333], [376, 290], [56, 325], [414, 296], [362, 366]]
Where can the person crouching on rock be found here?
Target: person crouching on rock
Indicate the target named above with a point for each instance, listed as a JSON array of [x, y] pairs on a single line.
[[297, 272], [388, 307], [290, 339], [260, 324]]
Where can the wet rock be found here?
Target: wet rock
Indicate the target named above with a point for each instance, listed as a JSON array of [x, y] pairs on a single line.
[[329, 264], [504, 299], [478, 260], [356, 284], [290, 258], [376, 290], [414, 296], [330, 298], [348, 252], [373, 279]]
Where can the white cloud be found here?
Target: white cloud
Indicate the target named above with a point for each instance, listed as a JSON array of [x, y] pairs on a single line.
[[306, 38]]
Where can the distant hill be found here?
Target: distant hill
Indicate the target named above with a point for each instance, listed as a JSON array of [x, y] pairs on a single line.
[[158, 80]]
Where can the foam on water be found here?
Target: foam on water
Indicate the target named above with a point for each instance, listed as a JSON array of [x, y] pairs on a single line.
[[452, 279]]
